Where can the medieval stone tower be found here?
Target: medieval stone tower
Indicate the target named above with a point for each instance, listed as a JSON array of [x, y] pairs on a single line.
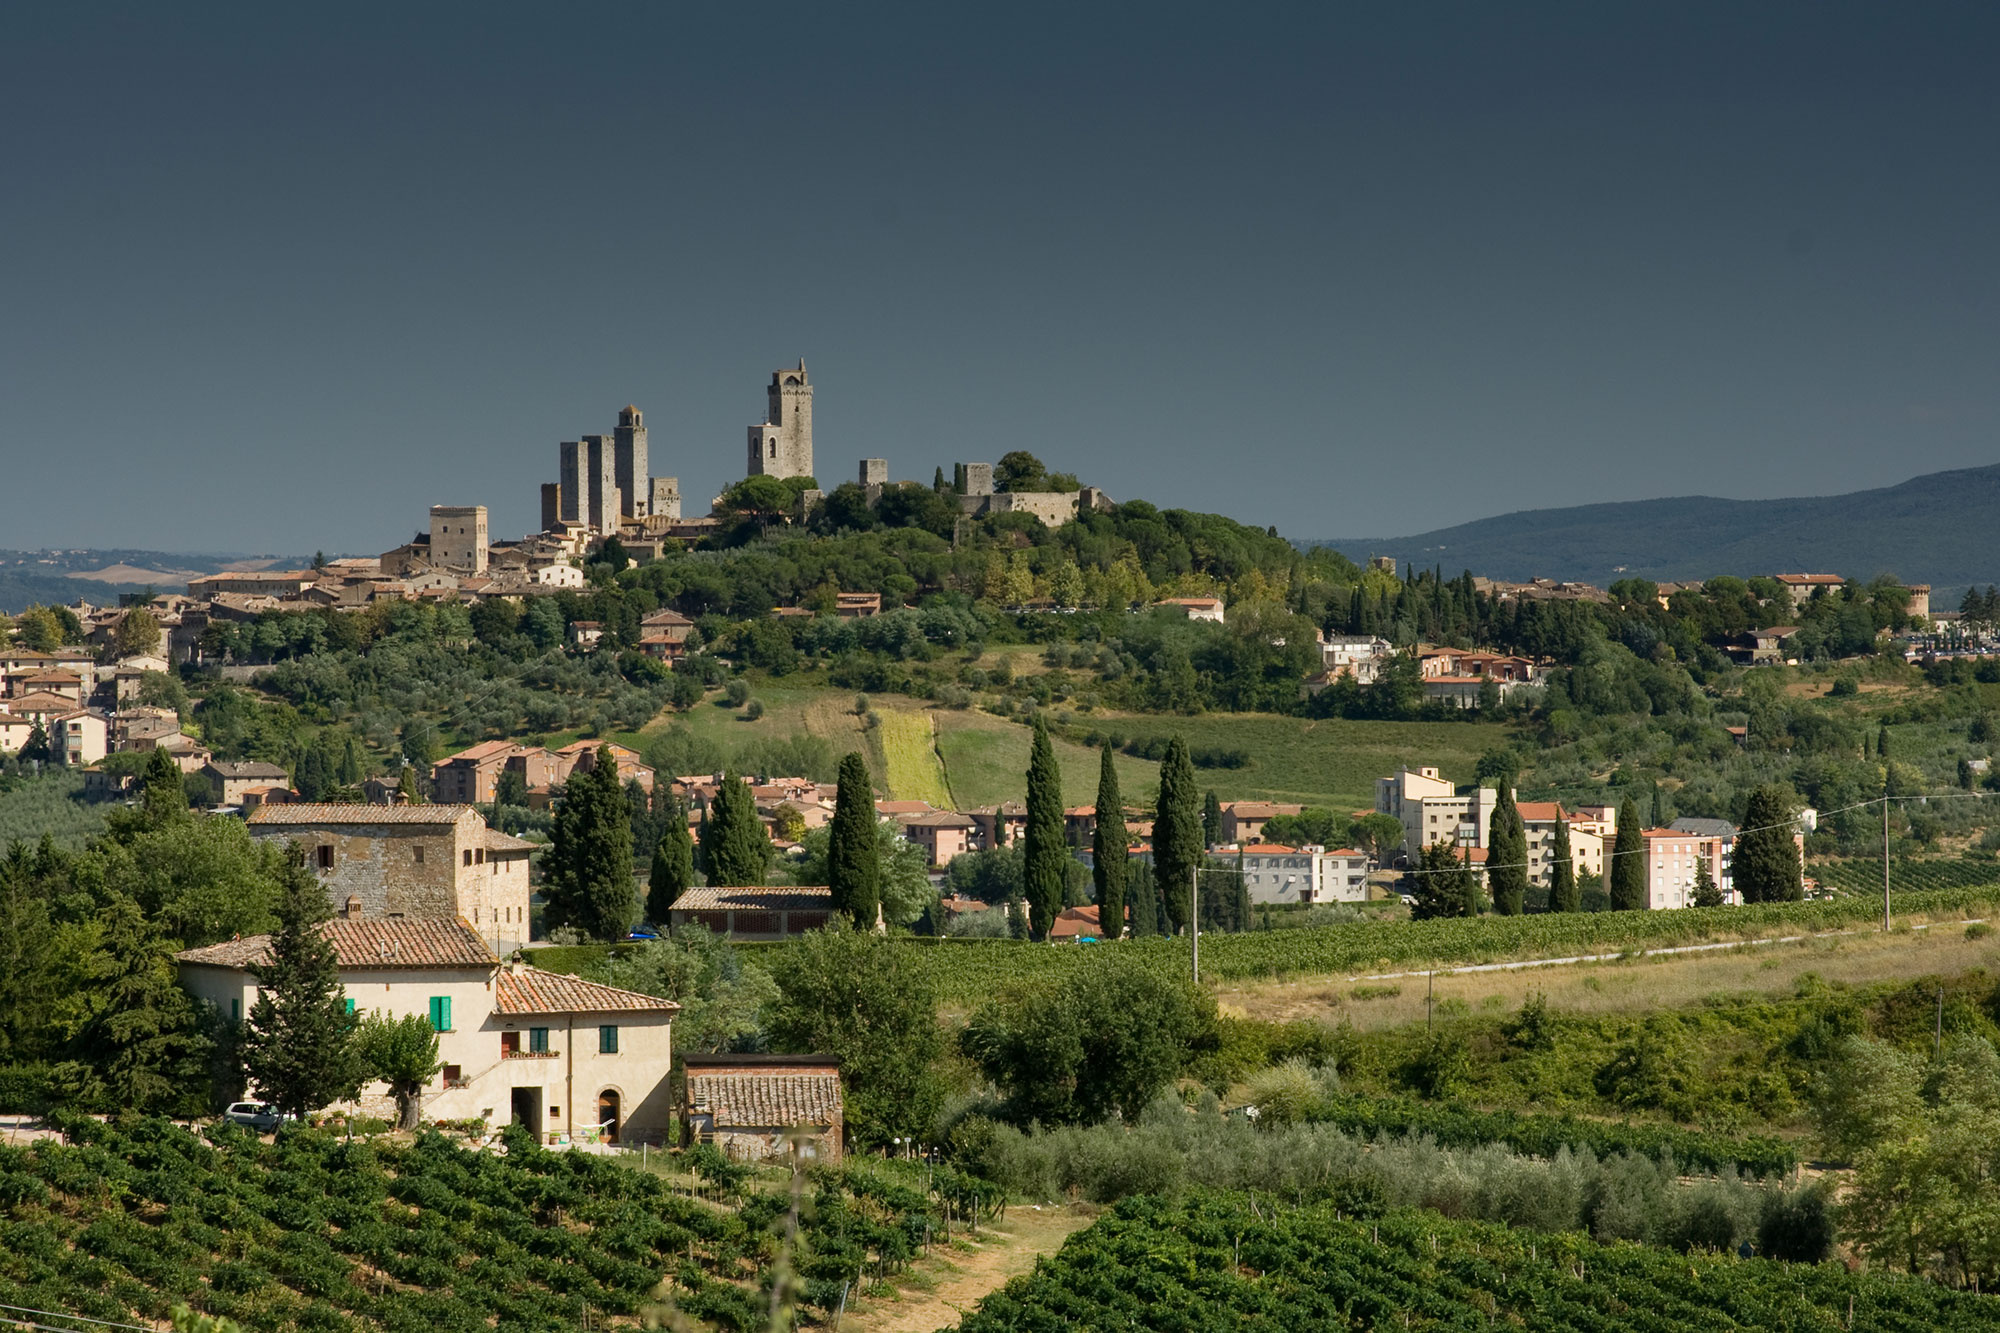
[[632, 467], [783, 445]]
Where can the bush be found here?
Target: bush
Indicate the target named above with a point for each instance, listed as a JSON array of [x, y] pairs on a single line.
[[736, 693], [754, 710], [25, 1090]]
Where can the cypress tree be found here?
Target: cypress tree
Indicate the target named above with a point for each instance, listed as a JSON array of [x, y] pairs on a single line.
[[1043, 868], [1242, 896], [1177, 848], [1109, 849], [673, 863], [1882, 742], [852, 868], [1765, 864], [142, 1049], [163, 795], [1507, 857], [735, 847], [300, 1049], [406, 786], [589, 880], [1628, 865], [1564, 894], [1468, 884], [1144, 893], [1211, 820]]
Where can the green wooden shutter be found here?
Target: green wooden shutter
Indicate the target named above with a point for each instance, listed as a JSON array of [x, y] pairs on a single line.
[[607, 1039], [538, 1041], [441, 1013]]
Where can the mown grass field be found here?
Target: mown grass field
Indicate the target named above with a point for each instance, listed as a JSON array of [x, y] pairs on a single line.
[[1331, 763], [967, 758]]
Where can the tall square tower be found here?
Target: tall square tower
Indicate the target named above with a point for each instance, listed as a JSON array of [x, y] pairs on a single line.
[[632, 467], [782, 446], [458, 538], [600, 511]]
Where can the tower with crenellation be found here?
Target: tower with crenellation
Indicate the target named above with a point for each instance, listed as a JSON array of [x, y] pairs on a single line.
[[782, 445]]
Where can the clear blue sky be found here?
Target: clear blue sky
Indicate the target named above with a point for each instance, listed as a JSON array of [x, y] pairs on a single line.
[[278, 279]]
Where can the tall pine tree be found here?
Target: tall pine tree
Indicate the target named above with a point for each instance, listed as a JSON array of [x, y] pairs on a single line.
[[1628, 863], [300, 1049], [1507, 856], [1765, 865], [735, 849], [853, 868], [673, 863], [1045, 860], [141, 1050], [1564, 893], [588, 879], [1177, 833], [1109, 849]]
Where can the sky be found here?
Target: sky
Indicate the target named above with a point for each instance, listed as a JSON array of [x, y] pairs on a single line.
[[277, 278]]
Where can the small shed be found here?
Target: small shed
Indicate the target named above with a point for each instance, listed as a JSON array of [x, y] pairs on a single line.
[[750, 1106]]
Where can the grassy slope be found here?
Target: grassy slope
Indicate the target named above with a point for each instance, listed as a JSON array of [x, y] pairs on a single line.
[[976, 758], [1331, 763]]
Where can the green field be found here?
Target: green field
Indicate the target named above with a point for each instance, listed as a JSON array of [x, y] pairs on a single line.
[[1331, 763], [968, 758]]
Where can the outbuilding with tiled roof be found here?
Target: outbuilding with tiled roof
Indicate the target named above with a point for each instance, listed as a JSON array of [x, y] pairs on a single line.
[[759, 1106]]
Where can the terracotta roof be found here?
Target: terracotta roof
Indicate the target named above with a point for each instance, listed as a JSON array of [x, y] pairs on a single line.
[[958, 905], [755, 898], [742, 1098], [308, 815], [1259, 809], [41, 701], [533, 991], [939, 819], [248, 769], [1540, 811], [398, 942], [480, 752], [496, 841], [903, 807], [1267, 849]]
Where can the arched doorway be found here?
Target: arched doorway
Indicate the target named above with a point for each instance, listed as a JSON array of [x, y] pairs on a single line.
[[609, 1121]]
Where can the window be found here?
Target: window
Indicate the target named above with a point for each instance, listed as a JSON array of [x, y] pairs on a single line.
[[236, 1011], [538, 1041], [453, 1076], [420, 855], [441, 1013], [325, 854], [468, 856], [607, 1039], [479, 857]]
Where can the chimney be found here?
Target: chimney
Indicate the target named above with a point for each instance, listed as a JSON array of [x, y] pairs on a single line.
[[353, 912]]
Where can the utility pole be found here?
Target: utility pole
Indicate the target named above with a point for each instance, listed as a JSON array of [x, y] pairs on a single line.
[[1194, 918], [1885, 861]]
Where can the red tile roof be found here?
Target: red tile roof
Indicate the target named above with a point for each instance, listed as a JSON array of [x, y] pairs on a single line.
[[399, 942], [308, 815], [533, 991]]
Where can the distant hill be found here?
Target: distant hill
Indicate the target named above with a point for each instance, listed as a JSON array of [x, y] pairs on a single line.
[[98, 576], [1936, 529]]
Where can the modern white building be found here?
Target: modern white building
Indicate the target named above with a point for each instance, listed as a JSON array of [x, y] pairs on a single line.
[[1280, 875], [1432, 810]]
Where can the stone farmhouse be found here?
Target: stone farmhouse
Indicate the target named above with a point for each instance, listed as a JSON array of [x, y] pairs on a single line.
[[411, 862]]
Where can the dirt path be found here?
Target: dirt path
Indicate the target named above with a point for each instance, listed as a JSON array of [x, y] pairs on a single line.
[[963, 1278]]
